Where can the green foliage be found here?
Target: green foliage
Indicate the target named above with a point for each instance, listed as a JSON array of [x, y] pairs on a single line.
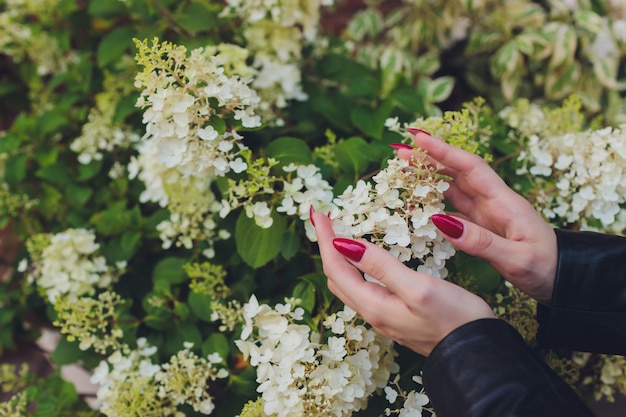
[[73, 139]]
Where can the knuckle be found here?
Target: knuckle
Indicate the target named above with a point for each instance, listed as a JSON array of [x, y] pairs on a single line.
[[376, 320], [483, 241], [378, 270], [421, 295]]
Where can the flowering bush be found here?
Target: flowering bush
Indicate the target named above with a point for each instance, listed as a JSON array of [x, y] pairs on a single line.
[[158, 161]]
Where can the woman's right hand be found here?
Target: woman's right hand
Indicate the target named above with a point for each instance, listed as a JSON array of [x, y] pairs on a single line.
[[496, 223]]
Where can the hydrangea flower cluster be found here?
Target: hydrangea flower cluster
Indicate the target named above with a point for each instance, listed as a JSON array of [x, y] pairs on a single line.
[[100, 133], [465, 128], [133, 385], [579, 176], [188, 101], [91, 321], [191, 203], [275, 32], [612, 372], [68, 264], [302, 373], [414, 402], [302, 187], [394, 212], [19, 42]]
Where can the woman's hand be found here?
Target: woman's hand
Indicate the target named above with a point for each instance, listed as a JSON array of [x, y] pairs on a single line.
[[414, 309], [496, 223]]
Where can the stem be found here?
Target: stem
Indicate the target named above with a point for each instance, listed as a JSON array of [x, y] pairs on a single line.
[[171, 19]]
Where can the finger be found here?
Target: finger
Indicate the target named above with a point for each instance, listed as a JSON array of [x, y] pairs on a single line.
[[470, 171], [344, 279], [508, 256], [383, 266]]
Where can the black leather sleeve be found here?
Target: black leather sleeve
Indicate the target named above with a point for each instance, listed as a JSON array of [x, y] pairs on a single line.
[[588, 308], [485, 369]]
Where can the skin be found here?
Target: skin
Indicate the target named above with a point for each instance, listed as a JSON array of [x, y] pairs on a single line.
[[414, 309], [417, 310], [500, 226]]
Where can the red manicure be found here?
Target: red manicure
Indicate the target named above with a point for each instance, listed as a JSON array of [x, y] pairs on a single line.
[[349, 248], [448, 225], [398, 146], [311, 211], [415, 131]]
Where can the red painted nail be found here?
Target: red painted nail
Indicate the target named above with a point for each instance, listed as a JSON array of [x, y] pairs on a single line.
[[398, 146], [311, 211], [415, 131], [349, 248], [448, 225]]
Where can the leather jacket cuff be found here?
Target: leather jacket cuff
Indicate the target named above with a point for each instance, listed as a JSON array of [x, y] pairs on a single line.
[[588, 307], [484, 368]]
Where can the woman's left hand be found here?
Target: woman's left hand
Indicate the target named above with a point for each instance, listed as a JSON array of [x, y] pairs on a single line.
[[414, 309]]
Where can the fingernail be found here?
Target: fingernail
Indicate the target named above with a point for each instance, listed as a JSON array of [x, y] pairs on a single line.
[[311, 211], [448, 225], [349, 248], [415, 131], [398, 146]]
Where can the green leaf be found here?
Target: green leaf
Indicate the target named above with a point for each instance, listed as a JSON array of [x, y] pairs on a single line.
[[353, 155], [218, 124], [51, 122], [305, 291], [181, 310], [66, 353], [290, 245], [368, 22], [439, 89], [113, 45], [216, 343], [200, 305], [106, 8], [78, 195], [117, 219], [561, 82], [10, 142], [195, 18], [428, 64], [46, 157], [169, 271], [183, 332], [90, 170], [506, 60], [125, 107], [564, 41], [606, 69], [15, 169], [130, 241], [333, 107], [370, 121], [255, 245], [392, 62], [57, 174], [409, 100], [289, 150], [319, 282]]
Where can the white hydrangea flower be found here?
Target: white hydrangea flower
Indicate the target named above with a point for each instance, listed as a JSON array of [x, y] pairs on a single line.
[[129, 383], [275, 31], [189, 199], [71, 266], [298, 371], [588, 170], [395, 213], [178, 109]]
